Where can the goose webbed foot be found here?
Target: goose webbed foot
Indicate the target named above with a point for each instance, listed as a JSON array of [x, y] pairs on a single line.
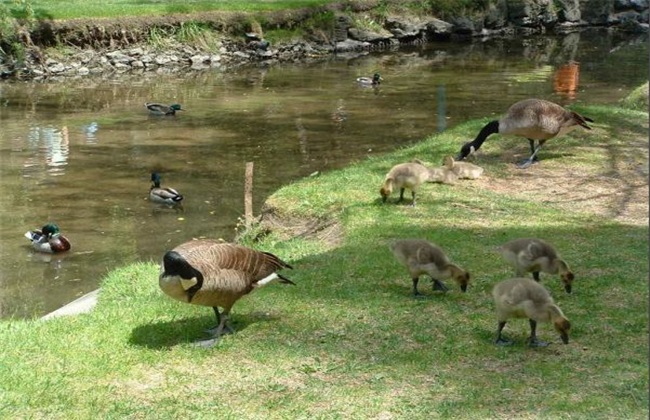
[[527, 163], [535, 342]]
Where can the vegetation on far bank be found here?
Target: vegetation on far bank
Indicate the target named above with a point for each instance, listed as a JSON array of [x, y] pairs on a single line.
[[349, 341]]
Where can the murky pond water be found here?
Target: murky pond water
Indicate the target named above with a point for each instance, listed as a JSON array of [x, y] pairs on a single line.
[[80, 152]]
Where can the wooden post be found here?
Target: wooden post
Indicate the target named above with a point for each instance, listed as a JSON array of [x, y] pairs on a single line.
[[248, 194]]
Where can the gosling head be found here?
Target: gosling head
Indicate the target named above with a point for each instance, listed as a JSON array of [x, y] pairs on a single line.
[[567, 279], [562, 325], [462, 278], [466, 150], [384, 192]]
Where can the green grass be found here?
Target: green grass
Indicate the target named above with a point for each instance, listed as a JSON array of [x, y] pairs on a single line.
[[71, 9], [349, 341]]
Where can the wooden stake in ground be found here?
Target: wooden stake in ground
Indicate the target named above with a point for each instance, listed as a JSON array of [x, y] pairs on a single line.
[[248, 194]]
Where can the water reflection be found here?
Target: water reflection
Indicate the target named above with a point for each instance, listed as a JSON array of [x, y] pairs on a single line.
[[80, 152]]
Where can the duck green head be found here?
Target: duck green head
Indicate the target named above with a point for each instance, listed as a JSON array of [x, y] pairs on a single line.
[[50, 229], [175, 107], [376, 78], [155, 179]]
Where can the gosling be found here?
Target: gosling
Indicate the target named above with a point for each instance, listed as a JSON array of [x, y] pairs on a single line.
[[532, 255], [402, 176], [423, 257], [462, 170], [213, 273], [525, 298], [441, 175]]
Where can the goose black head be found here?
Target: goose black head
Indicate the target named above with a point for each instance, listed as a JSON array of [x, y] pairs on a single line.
[[466, 150], [175, 265]]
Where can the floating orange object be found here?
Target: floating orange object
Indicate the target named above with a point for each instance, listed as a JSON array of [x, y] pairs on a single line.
[[566, 79]]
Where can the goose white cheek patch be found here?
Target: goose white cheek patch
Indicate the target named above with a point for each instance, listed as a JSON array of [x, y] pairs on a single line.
[[266, 280], [187, 283]]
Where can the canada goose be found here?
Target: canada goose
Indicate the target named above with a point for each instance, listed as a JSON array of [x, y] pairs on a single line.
[[463, 170], [423, 257], [373, 81], [531, 255], [48, 239], [525, 298], [160, 195], [161, 109], [213, 273], [535, 119]]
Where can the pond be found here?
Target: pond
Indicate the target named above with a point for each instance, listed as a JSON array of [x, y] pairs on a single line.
[[79, 152]]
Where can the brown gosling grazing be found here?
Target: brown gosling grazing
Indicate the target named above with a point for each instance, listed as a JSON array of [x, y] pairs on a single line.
[[532, 255], [535, 119], [423, 257], [462, 170], [525, 298], [217, 274], [404, 175]]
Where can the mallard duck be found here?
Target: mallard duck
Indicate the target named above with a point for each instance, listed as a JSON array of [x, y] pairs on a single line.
[[535, 119], [375, 80], [161, 109], [48, 239], [217, 274], [525, 298], [160, 195]]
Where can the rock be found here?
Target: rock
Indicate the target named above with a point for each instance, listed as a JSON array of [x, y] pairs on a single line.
[[56, 68], [531, 13], [161, 60], [438, 30], [137, 64], [372, 37], [138, 51], [351, 45], [82, 71], [569, 10], [200, 59]]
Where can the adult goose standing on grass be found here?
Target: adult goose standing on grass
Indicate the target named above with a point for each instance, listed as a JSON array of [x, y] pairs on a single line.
[[48, 239], [535, 119], [373, 81], [525, 298], [161, 109], [423, 257], [217, 274], [532, 255], [160, 195]]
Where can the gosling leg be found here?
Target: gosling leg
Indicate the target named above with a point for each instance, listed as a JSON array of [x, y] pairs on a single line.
[[438, 285], [532, 340], [401, 195], [500, 341], [415, 288]]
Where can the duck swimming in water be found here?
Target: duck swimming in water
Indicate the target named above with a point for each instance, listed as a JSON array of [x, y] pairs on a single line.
[[161, 109], [48, 239]]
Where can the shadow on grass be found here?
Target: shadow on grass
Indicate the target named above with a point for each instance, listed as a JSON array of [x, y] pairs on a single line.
[[167, 334]]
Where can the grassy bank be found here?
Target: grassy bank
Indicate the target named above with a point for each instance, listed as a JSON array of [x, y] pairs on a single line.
[[349, 341]]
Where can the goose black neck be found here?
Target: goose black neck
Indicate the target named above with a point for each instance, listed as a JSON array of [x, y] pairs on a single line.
[[490, 128], [175, 265]]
